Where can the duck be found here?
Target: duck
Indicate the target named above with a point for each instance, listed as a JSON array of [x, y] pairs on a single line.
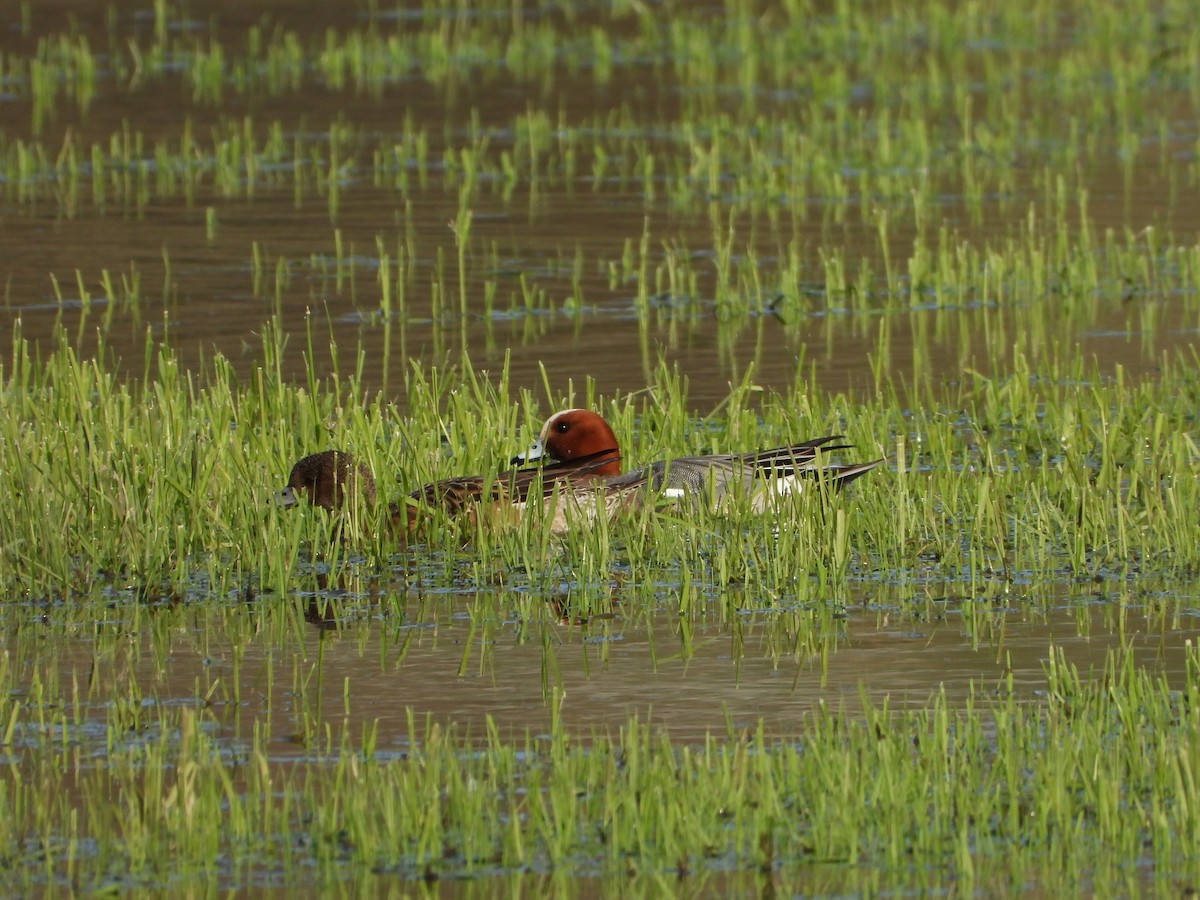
[[328, 479], [576, 434], [334, 479]]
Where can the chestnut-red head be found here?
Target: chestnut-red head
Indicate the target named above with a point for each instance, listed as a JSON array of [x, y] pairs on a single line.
[[575, 434]]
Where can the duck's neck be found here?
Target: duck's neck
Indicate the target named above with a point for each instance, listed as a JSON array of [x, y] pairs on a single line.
[[610, 463]]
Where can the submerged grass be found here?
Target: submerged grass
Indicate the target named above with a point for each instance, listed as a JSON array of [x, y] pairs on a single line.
[[786, 135], [1088, 788]]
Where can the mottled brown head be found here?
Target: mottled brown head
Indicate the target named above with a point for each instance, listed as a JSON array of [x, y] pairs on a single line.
[[328, 479]]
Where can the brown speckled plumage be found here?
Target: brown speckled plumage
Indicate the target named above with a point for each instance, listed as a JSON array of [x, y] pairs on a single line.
[[330, 478], [325, 479]]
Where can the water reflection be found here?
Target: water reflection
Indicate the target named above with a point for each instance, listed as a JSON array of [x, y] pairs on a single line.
[[578, 279], [390, 660]]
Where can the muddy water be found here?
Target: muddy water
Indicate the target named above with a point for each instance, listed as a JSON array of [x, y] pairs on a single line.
[[700, 692], [365, 674], [202, 300], [198, 287]]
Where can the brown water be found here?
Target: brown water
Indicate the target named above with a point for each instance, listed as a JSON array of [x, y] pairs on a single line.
[[370, 668], [198, 291], [700, 691], [210, 305]]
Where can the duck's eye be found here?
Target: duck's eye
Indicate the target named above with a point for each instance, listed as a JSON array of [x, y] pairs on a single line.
[[562, 426]]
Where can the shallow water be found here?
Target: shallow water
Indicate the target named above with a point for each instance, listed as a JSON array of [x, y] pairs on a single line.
[[200, 289], [211, 306], [461, 660]]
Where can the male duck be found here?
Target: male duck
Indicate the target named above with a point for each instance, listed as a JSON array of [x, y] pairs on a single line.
[[577, 434]]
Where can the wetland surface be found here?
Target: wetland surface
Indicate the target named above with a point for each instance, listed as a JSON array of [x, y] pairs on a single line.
[[239, 233]]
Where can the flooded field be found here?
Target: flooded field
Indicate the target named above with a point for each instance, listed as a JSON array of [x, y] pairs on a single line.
[[562, 220], [610, 671], [965, 238]]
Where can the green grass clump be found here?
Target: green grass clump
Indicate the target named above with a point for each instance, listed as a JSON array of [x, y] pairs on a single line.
[[1042, 475]]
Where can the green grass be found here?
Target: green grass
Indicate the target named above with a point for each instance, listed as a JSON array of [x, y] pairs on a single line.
[[1051, 472], [1088, 787], [153, 509]]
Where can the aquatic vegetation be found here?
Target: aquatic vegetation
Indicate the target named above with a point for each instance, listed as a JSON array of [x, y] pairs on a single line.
[[1090, 785], [958, 234], [147, 504], [1042, 474]]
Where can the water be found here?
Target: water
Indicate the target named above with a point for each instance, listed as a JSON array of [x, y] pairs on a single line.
[[201, 289]]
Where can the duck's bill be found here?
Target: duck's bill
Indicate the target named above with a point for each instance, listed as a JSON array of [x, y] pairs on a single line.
[[535, 452], [286, 498]]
